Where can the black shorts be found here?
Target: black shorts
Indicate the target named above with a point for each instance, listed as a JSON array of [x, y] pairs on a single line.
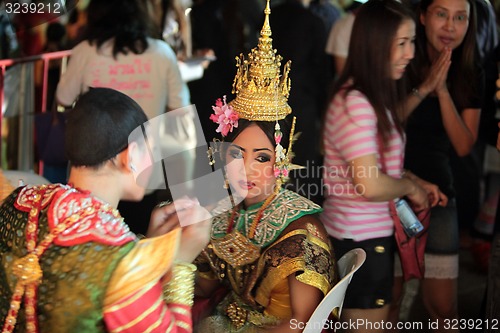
[[371, 285]]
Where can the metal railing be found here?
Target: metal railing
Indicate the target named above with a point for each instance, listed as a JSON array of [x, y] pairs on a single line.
[[45, 58]]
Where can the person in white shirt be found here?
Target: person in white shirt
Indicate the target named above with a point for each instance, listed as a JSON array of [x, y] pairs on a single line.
[[337, 44], [119, 52]]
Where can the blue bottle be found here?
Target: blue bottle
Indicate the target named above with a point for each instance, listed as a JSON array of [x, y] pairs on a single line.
[[408, 219]]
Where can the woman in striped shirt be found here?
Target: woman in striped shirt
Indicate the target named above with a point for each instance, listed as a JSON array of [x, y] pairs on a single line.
[[364, 145]]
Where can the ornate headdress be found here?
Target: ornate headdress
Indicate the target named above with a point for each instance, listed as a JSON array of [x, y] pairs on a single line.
[[261, 95], [260, 92]]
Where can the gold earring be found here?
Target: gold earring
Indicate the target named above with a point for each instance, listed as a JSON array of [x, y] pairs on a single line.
[[226, 184], [210, 155]]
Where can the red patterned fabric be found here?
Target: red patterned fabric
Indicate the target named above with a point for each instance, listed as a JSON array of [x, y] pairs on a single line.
[[149, 313], [99, 222], [25, 198]]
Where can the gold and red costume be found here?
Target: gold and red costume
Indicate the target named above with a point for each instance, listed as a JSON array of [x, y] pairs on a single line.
[[68, 263], [253, 251], [289, 240]]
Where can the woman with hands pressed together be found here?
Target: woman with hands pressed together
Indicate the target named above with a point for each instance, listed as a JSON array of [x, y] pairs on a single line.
[[364, 149], [444, 111]]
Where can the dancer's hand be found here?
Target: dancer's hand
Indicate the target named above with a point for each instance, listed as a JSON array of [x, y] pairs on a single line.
[[196, 235], [164, 218]]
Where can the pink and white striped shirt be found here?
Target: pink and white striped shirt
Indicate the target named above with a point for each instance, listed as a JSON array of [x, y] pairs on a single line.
[[351, 132]]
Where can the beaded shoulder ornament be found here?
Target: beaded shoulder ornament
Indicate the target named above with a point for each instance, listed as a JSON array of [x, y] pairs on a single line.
[[261, 95]]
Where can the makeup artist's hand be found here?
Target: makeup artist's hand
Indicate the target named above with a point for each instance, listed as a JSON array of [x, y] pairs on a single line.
[[194, 220], [164, 218]]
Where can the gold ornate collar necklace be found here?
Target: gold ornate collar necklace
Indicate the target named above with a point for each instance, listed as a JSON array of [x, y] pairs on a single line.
[[256, 220]]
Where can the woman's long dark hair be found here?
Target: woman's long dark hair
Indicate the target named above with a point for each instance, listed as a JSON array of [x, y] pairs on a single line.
[[368, 62], [127, 22], [463, 73]]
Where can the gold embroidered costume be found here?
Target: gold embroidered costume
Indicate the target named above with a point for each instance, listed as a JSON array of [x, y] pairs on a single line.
[[93, 275], [288, 240], [254, 251]]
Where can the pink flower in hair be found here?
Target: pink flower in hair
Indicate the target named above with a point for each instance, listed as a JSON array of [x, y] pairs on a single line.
[[225, 116], [277, 172], [280, 171]]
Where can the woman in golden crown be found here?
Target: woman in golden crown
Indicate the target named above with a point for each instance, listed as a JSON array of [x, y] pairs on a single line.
[[268, 251]]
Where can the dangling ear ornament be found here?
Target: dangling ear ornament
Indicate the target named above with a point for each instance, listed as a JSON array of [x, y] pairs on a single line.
[[280, 165]]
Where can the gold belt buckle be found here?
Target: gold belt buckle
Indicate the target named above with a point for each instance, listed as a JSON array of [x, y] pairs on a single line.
[[237, 314]]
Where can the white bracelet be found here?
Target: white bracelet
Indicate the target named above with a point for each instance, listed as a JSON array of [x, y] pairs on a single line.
[[417, 94], [163, 204]]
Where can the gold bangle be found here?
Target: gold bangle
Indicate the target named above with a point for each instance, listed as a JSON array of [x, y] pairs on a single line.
[[185, 267], [180, 288]]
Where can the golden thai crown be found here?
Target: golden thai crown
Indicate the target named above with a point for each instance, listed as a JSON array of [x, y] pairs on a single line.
[[261, 95], [261, 92]]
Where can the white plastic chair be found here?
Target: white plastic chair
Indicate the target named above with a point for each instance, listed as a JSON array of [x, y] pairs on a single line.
[[347, 265]]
